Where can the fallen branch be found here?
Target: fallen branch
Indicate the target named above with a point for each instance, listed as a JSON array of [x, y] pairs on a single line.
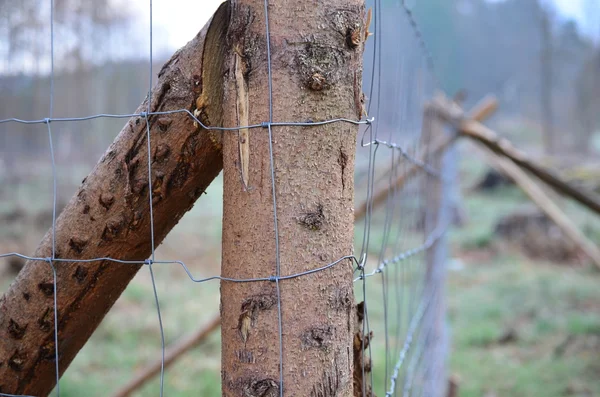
[[541, 199], [502, 146], [171, 356]]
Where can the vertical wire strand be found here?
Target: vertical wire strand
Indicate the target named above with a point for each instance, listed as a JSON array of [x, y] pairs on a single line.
[[150, 203], [370, 187], [390, 206], [56, 357], [162, 334], [377, 50], [363, 331], [273, 192], [51, 58], [54, 193]]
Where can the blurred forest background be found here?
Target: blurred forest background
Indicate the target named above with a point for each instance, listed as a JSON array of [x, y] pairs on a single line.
[[542, 65], [526, 321]]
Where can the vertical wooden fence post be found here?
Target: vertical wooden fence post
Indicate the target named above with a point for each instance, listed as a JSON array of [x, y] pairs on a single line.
[[288, 196], [436, 217]]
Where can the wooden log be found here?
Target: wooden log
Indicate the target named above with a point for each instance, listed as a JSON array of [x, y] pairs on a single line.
[[109, 216], [541, 199], [489, 138]]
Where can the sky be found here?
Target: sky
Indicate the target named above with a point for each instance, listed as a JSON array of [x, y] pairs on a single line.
[[571, 8], [174, 28]]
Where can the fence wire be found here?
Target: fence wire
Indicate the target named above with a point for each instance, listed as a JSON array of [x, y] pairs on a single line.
[[399, 270]]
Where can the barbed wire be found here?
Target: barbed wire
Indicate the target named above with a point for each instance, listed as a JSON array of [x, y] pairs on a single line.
[[391, 225], [421, 40]]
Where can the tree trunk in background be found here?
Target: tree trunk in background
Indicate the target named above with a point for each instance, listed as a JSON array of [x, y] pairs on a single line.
[[109, 217], [317, 66], [547, 83]]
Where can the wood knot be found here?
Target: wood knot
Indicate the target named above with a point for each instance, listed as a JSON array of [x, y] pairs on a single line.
[[313, 220], [78, 244], [46, 288], [106, 200], [317, 82], [16, 362], [164, 123], [161, 152], [46, 320], [318, 337], [15, 330], [113, 229], [250, 308], [262, 388], [353, 37], [48, 351], [80, 274]]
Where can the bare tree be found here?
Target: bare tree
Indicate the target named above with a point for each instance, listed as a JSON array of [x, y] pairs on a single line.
[[587, 88], [81, 27], [587, 103]]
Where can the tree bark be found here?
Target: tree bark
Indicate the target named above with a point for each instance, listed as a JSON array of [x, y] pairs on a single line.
[[110, 217], [316, 67]]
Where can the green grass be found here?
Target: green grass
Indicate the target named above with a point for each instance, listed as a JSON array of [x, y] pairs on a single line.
[[545, 305], [548, 307], [553, 309]]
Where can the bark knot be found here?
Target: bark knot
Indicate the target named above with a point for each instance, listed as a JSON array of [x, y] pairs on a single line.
[[262, 388], [15, 330], [78, 244], [318, 337], [250, 309], [106, 200], [313, 220]]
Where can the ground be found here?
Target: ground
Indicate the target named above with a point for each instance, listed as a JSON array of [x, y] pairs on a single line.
[[519, 327]]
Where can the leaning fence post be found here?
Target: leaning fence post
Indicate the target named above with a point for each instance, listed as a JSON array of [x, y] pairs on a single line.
[[288, 197]]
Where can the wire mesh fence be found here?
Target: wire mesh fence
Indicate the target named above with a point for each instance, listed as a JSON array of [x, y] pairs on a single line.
[[403, 191]]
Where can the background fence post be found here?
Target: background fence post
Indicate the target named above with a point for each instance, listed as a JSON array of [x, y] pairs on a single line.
[[437, 219]]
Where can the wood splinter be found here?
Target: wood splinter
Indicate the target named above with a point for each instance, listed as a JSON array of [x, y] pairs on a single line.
[[242, 113]]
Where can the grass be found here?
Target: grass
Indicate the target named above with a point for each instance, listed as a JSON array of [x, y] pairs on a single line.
[[544, 305], [552, 312]]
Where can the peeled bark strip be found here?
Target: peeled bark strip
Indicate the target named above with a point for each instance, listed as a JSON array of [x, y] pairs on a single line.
[[316, 63], [109, 217]]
